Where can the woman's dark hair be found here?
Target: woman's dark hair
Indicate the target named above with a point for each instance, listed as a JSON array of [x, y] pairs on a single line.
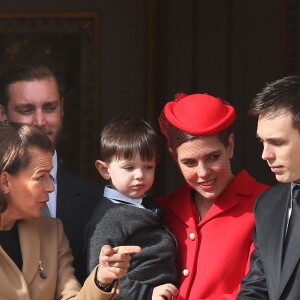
[[16, 141], [176, 137]]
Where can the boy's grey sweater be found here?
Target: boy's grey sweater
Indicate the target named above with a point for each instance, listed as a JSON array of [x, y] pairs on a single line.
[[124, 224]]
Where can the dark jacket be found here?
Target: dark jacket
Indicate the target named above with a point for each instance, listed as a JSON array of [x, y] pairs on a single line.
[[124, 224], [76, 200], [269, 277]]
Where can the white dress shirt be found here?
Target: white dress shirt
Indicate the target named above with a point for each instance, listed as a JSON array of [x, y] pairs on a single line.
[[52, 196], [119, 198]]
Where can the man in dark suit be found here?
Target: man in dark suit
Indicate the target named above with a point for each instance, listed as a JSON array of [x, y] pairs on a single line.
[[30, 93], [275, 263]]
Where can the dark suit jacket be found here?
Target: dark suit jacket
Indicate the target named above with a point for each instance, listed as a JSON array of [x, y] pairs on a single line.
[[76, 199], [269, 277]]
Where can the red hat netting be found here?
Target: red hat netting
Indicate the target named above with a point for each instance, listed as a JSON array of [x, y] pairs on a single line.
[[196, 115]]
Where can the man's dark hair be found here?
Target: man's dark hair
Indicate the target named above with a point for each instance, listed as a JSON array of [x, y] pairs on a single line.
[[28, 71], [279, 97]]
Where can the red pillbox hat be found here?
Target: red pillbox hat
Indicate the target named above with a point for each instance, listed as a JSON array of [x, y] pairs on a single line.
[[199, 114]]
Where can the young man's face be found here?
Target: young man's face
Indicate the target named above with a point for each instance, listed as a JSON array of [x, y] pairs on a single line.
[[281, 142], [38, 103]]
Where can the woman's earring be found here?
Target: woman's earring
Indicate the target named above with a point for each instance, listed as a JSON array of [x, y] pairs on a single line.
[[5, 191]]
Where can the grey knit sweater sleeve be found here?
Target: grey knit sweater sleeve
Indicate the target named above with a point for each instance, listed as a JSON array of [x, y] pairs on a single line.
[[123, 224]]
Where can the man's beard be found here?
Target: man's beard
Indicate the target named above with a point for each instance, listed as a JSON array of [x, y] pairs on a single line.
[[54, 138]]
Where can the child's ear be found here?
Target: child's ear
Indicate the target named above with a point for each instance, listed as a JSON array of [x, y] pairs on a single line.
[[102, 168]]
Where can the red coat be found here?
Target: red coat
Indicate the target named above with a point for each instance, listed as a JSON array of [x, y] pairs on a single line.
[[213, 254]]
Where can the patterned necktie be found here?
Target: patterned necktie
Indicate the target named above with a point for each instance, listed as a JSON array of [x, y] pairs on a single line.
[[294, 216]]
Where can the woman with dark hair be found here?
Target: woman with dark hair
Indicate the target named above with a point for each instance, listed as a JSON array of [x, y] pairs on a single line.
[[211, 215], [35, 257]]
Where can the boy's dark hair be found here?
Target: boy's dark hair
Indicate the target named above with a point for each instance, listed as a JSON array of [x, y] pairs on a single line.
[[279, 97], [124, 137], [28, 71]]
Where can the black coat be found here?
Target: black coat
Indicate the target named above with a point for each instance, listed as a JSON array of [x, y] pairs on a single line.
[[76, 200], [269, 277], [124, 224]]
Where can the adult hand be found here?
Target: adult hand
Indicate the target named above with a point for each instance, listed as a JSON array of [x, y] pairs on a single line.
[[114, 262], [164, 292]]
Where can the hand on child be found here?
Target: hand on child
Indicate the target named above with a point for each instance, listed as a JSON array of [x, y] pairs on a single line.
[[164, 292]]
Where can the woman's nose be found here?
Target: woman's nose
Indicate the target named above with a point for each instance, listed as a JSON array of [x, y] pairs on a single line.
[[202, 170], [49, 184]]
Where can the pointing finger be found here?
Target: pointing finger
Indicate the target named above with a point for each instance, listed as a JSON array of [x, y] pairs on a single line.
[[128, 249]]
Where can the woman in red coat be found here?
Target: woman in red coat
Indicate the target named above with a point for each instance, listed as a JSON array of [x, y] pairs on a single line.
[[211, 216]]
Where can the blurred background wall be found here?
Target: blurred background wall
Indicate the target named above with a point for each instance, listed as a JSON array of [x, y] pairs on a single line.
[[145, 52]]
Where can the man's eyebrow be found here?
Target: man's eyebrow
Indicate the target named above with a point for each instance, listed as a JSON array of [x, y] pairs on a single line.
[[51, 101], [271, 140], [24, 105]]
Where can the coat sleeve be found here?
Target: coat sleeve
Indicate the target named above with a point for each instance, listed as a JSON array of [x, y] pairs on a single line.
[[90, 291], [101, 235], [254, 285], [99, 232], [67, 285], [135, 289]]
